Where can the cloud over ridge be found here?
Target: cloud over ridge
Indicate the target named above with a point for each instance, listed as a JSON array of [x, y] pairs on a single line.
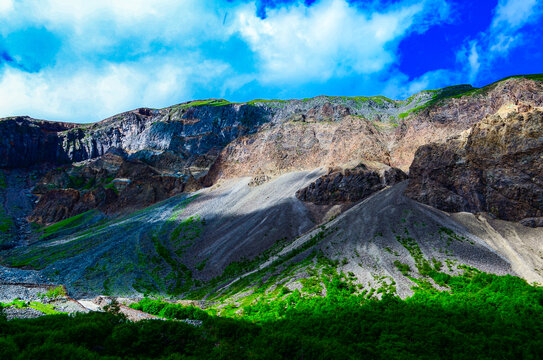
[[83, 61]]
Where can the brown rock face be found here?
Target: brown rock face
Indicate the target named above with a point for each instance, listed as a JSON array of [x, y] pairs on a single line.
[[350, 185], [495, 167], [329, 135], [110, 183], [451, 116], [300, 145], [59, 204]]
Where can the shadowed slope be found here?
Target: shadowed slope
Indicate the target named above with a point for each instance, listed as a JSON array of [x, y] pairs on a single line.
[[171, 246]]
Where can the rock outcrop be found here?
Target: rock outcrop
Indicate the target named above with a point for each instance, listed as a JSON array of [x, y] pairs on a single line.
[[25, 142], [298, 145], [495, 167], [349, 185], [450, 116], [199, 143], [111, 183]]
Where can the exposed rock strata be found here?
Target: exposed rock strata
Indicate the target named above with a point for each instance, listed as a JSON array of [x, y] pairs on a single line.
[[110, 183], [194, 144], [330, 135], [349, 185], [495, 167], [293, 146], [451, 116]]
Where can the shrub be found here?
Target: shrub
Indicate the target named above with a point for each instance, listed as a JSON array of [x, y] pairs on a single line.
[[56, 292]]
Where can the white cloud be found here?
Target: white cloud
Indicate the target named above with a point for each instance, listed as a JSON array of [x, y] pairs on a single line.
[[91, 25], [473, 60], [513, 14], [92, 94], [295, 44], [83, 85], [5, 7], [509, 17], [502, 36], [330, 38], [400, 86]]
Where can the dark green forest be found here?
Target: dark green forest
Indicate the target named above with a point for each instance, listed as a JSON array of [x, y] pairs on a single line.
[[481, 316]]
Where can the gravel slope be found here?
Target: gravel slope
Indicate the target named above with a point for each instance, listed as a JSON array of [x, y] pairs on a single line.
[[242, 221]]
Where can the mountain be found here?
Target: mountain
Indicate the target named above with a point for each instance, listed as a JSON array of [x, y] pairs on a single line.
[[226, 200]]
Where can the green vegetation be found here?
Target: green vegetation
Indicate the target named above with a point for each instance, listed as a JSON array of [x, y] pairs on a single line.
[[423, 265], [436, 96], [265, 277], [266, 101], [355, 101], [6, 224], [403, 268], [201, 265], [210, 102], [405, 114], [3, 182], [56, 292], [170, 311], [187, 231], [458, 91], [68, 223], [47, 309], [379, 99], [44, 308], [482, 316]]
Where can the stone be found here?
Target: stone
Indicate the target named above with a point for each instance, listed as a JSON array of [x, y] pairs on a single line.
[[349, 185], [495, 167]]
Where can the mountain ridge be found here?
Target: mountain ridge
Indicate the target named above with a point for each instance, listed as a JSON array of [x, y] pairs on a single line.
[[184, 200]]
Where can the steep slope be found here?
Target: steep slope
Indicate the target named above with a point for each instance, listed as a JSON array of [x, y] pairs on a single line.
[[448, 116], [189, 130], [495, 167], [184, 147], [171, 246], [201, 244], [254, 158], [386, 240], [390, 243]]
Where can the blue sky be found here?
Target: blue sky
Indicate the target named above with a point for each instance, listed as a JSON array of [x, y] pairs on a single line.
[[83, 60]]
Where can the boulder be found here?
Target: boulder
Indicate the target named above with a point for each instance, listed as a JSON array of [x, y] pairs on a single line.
[[349, 185]]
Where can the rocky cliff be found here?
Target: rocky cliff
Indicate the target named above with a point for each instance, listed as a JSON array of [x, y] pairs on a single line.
[[203, 142], [495, 167], [332, 134], [189, 132], [448, 116], [268, 207]]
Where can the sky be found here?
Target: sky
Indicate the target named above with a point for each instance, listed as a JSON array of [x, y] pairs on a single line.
[[83, 61]]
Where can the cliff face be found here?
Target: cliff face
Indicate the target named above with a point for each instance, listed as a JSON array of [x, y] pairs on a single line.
[[25, 142], [301, 145], [198, 131], [452, 115], [331, 134], [203, 142], [495, 167], [189, 132], [141, 157]]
